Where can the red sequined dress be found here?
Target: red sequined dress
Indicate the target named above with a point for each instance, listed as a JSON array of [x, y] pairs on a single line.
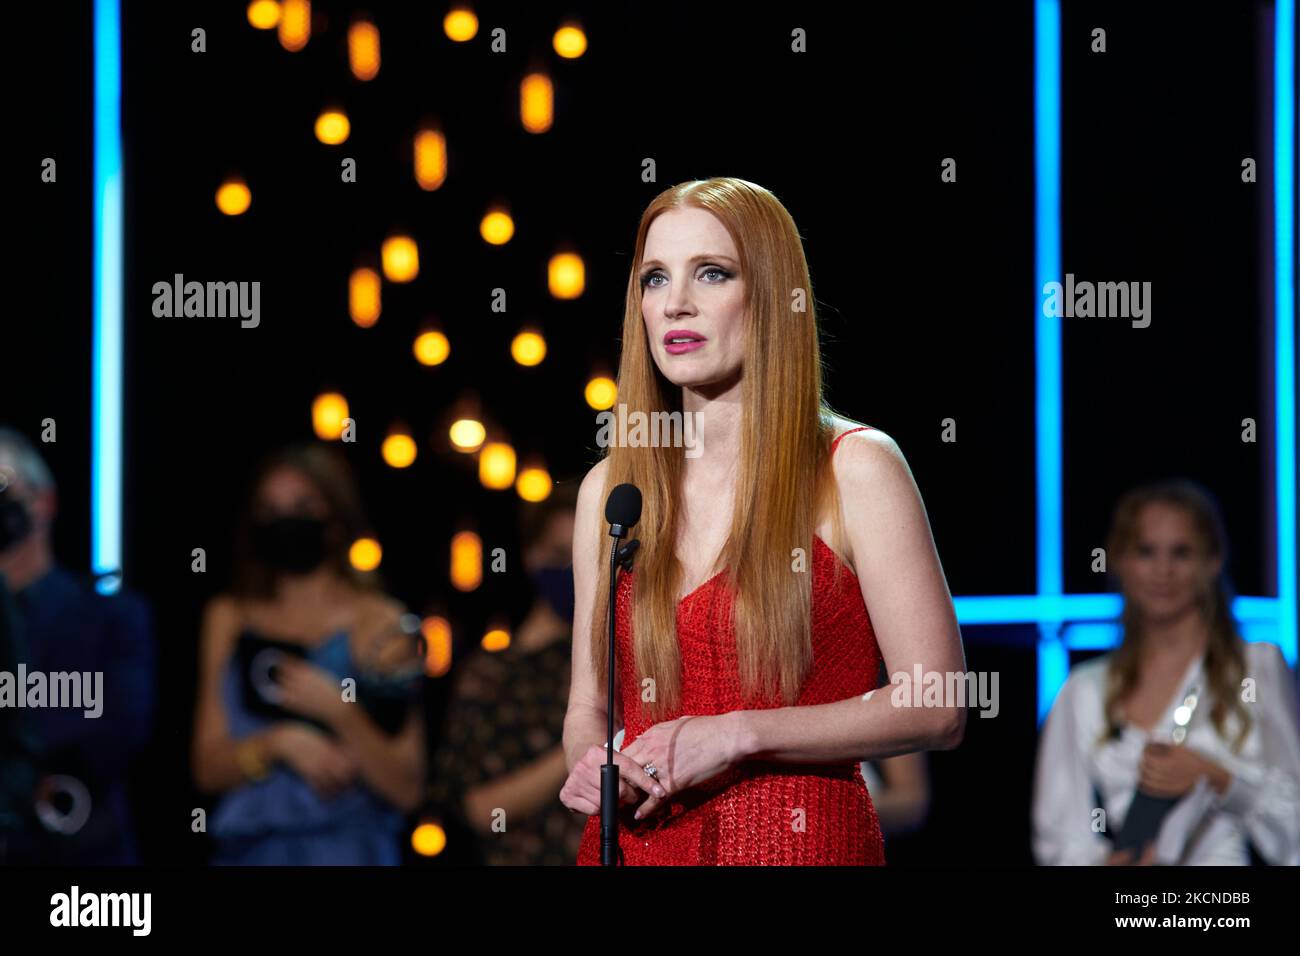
[[758, 812]]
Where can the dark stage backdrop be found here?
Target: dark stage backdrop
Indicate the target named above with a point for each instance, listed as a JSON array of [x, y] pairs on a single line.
[[925, 289]]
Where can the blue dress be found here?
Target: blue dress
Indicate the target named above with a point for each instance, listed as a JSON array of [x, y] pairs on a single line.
[[281, 820]]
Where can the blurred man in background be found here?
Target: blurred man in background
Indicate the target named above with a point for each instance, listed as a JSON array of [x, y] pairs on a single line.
[[64, 773]]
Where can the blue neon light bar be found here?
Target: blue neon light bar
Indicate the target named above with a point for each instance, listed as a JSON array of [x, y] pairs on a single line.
[[1284, 354], [106, 298], [1053, 662]]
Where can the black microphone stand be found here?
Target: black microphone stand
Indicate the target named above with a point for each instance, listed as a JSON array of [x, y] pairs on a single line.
[[609, 848]]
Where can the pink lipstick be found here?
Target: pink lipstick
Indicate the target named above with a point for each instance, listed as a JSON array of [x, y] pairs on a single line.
[[678, 341]]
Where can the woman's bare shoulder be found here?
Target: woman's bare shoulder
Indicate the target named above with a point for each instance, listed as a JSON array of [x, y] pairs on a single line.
[[380, 606], [594, 480], [223, 617], [225, 611], [221, 606], [590, 491], [865, 457], [854, 431]]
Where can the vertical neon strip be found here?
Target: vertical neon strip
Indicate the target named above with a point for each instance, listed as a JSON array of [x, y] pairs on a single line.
[[106, 390], [1284, 354], [1053, 669], [1053, 662]]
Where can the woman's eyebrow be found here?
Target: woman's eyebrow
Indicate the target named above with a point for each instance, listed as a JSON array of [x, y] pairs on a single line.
[[700, 258]]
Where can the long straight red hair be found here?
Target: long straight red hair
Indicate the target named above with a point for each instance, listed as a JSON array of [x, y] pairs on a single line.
[[784, 479]]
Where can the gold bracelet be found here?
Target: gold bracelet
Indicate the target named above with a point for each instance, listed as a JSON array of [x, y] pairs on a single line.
[[252, 760]]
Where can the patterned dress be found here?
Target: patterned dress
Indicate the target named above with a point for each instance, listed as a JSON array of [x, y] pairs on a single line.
[[508, 711]]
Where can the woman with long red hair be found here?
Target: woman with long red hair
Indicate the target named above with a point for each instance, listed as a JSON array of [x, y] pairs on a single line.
[[746, 656]]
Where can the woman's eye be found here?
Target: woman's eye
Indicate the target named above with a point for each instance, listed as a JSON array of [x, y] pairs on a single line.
[[723, 275]]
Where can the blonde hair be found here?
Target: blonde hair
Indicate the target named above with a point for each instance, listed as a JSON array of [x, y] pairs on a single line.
[[784, 478]]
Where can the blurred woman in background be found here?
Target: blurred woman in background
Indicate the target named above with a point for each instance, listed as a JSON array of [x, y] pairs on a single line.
[[1181, 669], [307, 720], [500, 764]]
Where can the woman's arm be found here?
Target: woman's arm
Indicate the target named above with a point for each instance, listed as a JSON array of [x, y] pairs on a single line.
[[1264, 793], [1067, 830], [518, 794], [393, 766], [586, 716], [911, 612], [214, 756], [460, 783]]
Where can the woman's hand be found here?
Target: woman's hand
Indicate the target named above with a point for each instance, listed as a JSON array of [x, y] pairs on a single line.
[[1170, 770], [309, 690], [686, 752], [315, 756], [581, 791]]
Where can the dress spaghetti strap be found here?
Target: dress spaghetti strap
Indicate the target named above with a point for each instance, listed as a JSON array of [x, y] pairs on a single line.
[[860, 428]]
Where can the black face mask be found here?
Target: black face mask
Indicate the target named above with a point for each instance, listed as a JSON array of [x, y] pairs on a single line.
[[15, 521], [290, 542]]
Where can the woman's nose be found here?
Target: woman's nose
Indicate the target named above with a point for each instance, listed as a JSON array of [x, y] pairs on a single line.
[[678, 301]]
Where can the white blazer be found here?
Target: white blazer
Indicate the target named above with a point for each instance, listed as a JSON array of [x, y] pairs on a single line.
[[1262, 806]]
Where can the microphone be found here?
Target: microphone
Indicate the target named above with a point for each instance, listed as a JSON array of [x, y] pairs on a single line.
[[622, 511]]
